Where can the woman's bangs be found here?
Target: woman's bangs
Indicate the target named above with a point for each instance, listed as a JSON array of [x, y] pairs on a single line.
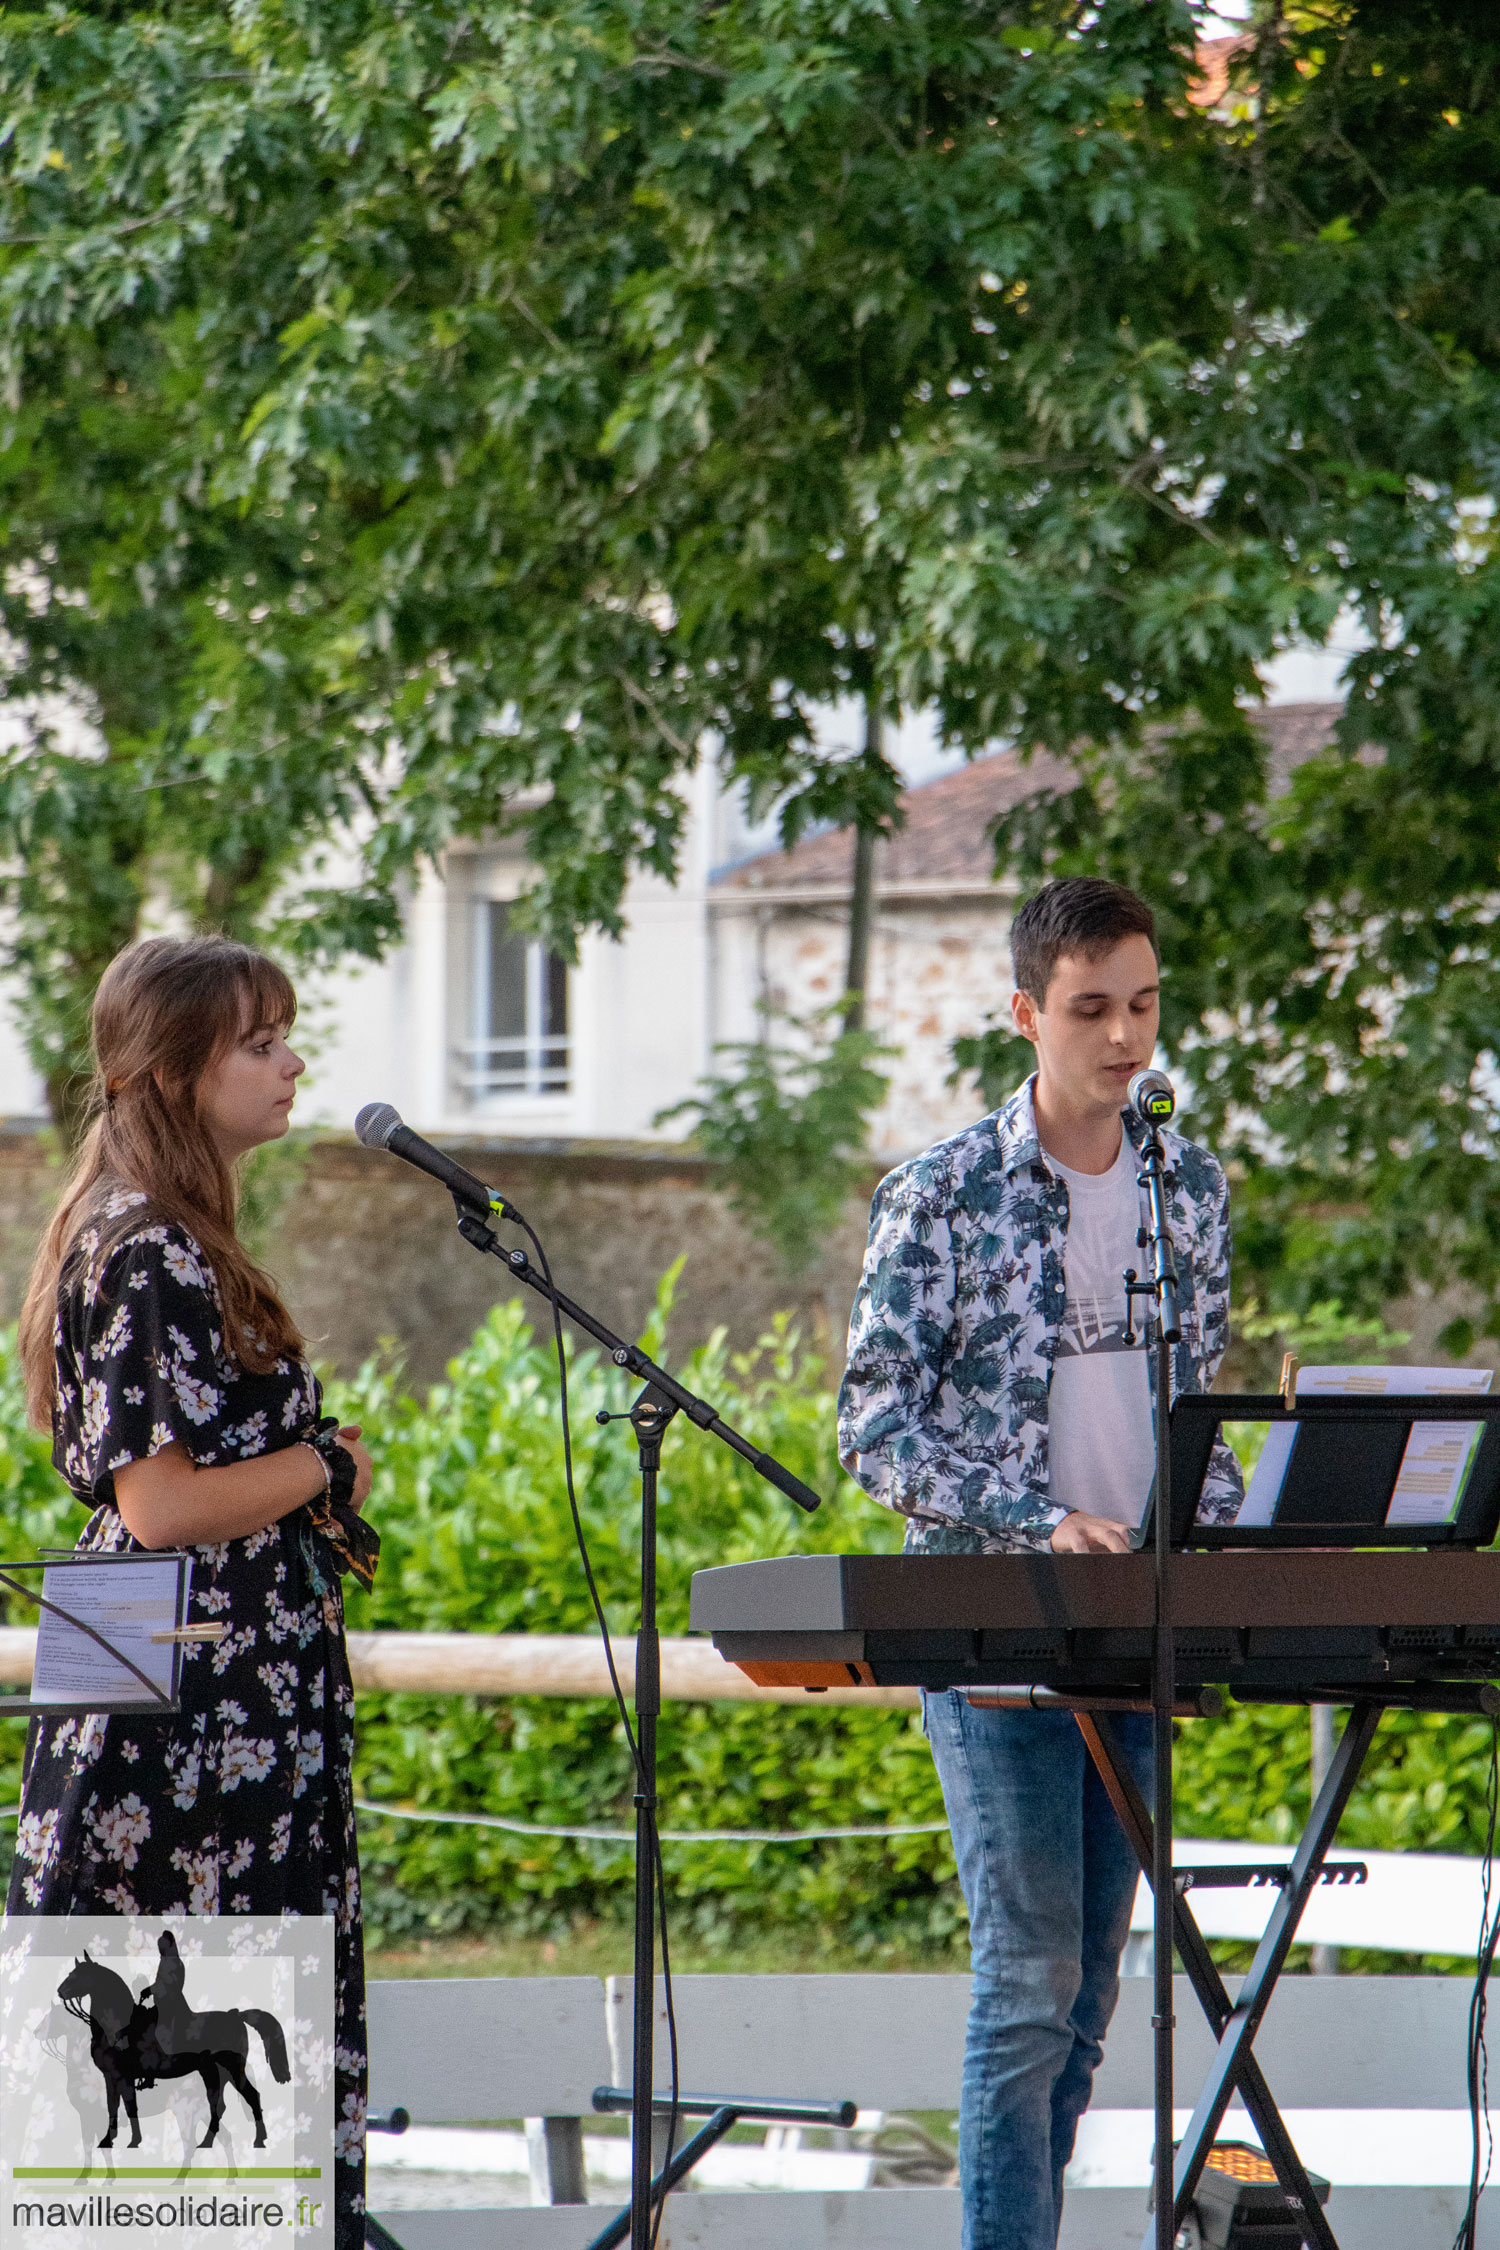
[[270, 995]]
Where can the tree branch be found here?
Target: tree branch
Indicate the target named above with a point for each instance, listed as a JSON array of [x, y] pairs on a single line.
[[125, 226], [672, 60], [669, 734]]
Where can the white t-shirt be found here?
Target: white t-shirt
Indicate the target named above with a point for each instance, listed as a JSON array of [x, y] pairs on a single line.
[[1101, 1445]]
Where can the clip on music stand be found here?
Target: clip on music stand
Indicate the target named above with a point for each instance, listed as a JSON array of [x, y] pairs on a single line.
[[1338, 1490]]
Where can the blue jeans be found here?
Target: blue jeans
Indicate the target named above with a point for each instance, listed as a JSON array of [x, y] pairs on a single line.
[[1049, 1879]]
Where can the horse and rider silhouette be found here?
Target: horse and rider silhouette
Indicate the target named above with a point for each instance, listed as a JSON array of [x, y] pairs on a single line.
[[134, 2041]]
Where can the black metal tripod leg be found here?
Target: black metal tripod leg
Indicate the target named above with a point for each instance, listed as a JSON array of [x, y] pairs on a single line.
[[680, 2166], [1281, 1930], [1130, 1810], [1208, 1986]]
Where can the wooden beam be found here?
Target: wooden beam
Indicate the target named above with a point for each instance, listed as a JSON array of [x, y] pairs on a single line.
[[499, 1664]]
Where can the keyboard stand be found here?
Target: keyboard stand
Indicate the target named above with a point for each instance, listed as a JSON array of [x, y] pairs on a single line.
[[1236, 2022]]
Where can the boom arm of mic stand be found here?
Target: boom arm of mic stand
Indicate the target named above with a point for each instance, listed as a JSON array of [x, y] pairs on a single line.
[[635, 1362]]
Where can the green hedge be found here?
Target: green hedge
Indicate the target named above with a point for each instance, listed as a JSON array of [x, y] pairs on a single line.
[[476, 1536], [476, 1533]]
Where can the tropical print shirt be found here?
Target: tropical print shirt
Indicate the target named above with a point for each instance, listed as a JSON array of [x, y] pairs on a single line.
[[943, 1406]]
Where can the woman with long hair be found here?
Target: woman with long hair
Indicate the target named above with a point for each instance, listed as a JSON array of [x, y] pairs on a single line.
[[184, 1414]]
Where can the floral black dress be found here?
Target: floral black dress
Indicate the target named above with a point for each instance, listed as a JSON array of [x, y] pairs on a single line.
[[242, 1801]]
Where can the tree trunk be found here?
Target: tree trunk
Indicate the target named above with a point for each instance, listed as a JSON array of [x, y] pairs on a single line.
[[232, 896], [862, 894]]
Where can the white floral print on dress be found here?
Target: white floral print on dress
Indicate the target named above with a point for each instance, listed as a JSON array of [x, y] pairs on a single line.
[[116, 1336], [199, 1401], [182, 1265], [122, 1828]]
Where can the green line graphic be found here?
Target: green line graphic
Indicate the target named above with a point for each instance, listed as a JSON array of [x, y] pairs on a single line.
[[165, 2172]]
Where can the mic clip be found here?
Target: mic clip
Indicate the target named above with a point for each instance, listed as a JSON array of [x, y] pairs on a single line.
[[1169, 1180], [1134, 1289], [473, 1228]]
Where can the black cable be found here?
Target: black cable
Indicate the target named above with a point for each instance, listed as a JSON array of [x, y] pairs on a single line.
[[1478, 2053], [578, 1531], [652, 1830]]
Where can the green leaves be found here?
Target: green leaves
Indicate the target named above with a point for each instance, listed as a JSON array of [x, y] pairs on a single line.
[[475, 1534], [431, 422], [35, 1505], [1328, 925], [999, 1058], [573, 366], [788, 1121]]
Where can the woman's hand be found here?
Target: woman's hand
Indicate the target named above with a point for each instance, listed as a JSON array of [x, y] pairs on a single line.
[[364, 1467]]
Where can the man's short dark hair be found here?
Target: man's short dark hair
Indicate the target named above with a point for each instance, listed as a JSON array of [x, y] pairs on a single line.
[[1080, 914]]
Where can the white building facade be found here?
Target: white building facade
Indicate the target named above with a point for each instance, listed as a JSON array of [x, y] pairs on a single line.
[[472, 1030]]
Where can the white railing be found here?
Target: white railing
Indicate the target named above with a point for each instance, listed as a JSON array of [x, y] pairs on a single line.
[[529, 1063], [1370, 2070]]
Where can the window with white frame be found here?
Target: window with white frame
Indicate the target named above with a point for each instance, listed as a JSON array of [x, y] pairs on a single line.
[[518, 1044]]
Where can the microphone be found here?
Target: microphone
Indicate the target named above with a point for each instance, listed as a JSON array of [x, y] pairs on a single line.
[[1150, 1096], [380, 1126]]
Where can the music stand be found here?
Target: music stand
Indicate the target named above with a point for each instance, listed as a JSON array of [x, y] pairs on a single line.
[[154, 1701], [1340, 1477]]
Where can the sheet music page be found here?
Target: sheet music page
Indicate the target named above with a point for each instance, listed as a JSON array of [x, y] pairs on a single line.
[[1268, 1476], [1390, 1382], [1439, 1455], [1434, 1470], [127, 1600]]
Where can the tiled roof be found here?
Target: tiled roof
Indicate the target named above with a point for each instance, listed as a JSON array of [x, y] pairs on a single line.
[[946, 842], [1215, 59]]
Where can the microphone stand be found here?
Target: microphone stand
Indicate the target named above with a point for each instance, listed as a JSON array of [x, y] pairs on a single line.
[[662, 1398], [1166, 1322]]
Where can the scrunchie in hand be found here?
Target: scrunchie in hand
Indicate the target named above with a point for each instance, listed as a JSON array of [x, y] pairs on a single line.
[[332, 1519]]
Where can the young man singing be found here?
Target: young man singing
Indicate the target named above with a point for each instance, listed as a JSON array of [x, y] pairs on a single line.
[[992, 1399]]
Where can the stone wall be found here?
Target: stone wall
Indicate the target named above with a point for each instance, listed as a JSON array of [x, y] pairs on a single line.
[[366, 1250], [939, 969], [367, 1253], [29, 1180]]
